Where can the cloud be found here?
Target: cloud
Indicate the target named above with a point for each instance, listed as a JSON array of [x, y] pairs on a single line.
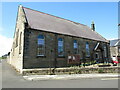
[[5, 45]]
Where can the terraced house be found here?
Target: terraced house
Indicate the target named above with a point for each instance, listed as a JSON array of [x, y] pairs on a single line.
[[42, 40]]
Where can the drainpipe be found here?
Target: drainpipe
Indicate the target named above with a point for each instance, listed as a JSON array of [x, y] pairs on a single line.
[[55, 57]]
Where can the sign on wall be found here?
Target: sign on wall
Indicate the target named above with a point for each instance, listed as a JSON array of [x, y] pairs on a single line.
[[73, 59]]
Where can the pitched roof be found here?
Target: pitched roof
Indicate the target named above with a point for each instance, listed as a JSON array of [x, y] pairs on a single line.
[[115, 42], [46, 22]]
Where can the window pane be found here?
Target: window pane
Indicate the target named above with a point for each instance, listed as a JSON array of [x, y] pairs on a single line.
[[75, 46], [105, 51], [87, 50], [41, 45], [41, 41], [20, 43], [60, 46]]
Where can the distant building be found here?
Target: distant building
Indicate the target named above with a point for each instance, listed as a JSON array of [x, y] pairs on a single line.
[[115, 47], [42, 40]]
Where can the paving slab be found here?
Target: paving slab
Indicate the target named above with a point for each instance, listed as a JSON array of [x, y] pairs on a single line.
[[66, 77]]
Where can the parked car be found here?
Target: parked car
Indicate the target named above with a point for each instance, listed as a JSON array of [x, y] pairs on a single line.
[[115, 60]]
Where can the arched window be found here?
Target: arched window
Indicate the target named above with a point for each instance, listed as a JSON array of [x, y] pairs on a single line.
[[17, 35], [41, 45], [60, 47], [20, 43], [105, 51], [75, 46], [87, 50]]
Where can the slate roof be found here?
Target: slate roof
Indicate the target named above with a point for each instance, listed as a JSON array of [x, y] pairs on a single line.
[[115, 42], [46, 22]]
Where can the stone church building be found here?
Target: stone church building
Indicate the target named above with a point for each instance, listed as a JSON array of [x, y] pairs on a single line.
[[42, 40]]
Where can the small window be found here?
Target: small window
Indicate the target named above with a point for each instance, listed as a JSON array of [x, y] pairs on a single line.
[[60, 47], [17, 35], [87, 50], [96, 55], [13, 48], [20, 43], [41, 46], [75, 46]]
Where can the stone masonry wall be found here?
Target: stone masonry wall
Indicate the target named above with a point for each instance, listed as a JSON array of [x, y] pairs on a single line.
[[16, 54], [31, 60]]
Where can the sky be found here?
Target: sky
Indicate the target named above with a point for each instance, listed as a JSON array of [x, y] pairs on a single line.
[[104, 14]]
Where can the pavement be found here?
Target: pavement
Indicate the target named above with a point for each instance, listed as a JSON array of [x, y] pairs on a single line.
[[11, 79], [0, 74], [69, 77]]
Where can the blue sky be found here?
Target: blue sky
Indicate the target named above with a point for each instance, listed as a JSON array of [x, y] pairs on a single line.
[[104, 14]]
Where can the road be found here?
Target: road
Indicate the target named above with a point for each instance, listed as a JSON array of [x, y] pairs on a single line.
[[11, 79], [0, 74]]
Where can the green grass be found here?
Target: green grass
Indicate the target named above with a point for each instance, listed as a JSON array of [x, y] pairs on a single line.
[[3, 57]]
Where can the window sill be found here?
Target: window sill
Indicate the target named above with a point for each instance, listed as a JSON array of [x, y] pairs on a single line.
[[61, 56], [41, 56], [87, 56]]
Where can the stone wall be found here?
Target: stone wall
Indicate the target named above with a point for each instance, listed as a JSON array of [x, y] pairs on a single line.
[[114, 51], [31, 60], [16, 53], [57, 71]]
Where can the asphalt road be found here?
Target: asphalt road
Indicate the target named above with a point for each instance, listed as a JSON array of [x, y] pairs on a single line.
[[11, 79], [0, 74]]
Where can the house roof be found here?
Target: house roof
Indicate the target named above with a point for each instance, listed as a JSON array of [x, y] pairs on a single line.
[[46, 22], [115, 42]]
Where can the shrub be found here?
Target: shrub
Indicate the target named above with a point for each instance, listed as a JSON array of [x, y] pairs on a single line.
[[100, 71]]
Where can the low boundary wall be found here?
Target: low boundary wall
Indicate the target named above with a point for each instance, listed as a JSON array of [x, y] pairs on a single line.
[[81, 70]]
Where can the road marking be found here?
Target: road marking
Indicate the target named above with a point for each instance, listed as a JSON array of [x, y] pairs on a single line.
[[109, 78]]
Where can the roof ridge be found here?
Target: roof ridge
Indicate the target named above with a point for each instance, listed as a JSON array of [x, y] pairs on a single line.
[[99, 34], [54, 16], [73, 28]]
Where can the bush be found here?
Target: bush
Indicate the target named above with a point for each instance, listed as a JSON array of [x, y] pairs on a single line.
[[78, 71], [100, 71]]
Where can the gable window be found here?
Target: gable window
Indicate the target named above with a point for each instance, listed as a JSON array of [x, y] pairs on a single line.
[[17, 35], [41, 45], [105, 51], [75, 46], [60, 47], [87, 50]]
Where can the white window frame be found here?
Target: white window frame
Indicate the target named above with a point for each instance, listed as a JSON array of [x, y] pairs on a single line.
[[87, 49], [60, 46], [38, 52]]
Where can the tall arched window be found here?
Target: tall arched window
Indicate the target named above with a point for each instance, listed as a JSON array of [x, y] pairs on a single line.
[[105, 51], [41, 45], [17, 35], [75, 46], [20, 43], [60, 47], [87, 50]]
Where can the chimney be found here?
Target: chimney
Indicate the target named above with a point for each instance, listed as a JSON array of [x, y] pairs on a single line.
[[93, 26]]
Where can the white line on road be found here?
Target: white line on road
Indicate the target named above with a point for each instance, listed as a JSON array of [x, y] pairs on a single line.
[[109, 78]]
